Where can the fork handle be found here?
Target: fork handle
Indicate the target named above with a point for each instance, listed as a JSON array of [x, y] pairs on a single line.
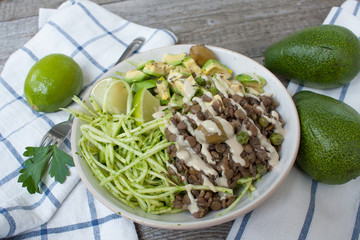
[[134, 45]]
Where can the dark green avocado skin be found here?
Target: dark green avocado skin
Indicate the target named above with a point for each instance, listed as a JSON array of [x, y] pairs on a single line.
[[330, 138], [324, 57]]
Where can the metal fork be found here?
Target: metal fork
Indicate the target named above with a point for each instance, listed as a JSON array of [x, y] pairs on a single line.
[[58, 133]]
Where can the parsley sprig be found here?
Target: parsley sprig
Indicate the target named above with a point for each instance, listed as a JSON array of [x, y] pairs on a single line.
[[39, 160]]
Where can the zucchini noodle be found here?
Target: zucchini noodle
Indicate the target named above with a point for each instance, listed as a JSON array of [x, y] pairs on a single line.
[[130, 161]]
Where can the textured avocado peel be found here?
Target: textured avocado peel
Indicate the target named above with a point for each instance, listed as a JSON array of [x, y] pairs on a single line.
[[324, 57], [330, 138]]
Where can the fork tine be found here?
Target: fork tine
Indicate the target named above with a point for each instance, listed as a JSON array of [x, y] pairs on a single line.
[[44, 141], [57, 134]]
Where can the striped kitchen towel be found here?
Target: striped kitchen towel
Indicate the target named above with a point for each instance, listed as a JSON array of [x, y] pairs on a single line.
[[302, 208], [95, 38]]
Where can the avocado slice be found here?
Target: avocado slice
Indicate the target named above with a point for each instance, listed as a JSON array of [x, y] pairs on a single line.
[[148, 84], [157, 69], [213, 66], [141, 65], [176, 102], [184, 71], [190, 64], [176, 82], [250, 80], [163, 88], [174, 59], [135, 76]]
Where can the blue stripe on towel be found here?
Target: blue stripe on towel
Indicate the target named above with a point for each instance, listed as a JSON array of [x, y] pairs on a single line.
[[99, 24], [34, 205], [356, 10], [30, 53], [43, 232], [22, 99], [77, 50], [336, 15], [170, 34], [94, 220], [343, 92], [49, 194], [10, 176], [67, 228], [10, 219], [70, 39], [12, 149], [243, 225], [356, 231], [9, 103], [310, 213]]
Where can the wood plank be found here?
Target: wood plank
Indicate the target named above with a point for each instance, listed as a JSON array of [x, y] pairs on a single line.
[[245, 26], [15, 9], [215, 232]]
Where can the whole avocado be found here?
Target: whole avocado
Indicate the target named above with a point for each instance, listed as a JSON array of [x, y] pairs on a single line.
[[323, 57], [330, 138]]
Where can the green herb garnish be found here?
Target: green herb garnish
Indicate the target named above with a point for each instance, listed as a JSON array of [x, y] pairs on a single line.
[[40, 159]]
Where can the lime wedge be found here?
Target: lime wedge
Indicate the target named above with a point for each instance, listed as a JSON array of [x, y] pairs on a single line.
[[112, 95], [145, 105]]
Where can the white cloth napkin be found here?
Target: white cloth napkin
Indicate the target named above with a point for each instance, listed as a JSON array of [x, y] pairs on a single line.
[[95, 38], [303, 208]]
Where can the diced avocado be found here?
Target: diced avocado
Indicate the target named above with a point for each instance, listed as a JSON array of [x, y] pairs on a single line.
[[190, 88], [184, 71], [190, 64], [213, 66], [135, 76], [163, 88], [174, 59], [148, 84], [251, 80], [254, 90], [176, 101], [237, 87], [178, 87], [176, 81], [141, 65], [156, 69]]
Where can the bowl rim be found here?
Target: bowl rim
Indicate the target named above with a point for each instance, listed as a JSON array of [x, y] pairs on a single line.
[[199, 223]]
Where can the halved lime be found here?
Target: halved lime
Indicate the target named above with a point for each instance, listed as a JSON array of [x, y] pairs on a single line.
[[112, 95], [145, 105]]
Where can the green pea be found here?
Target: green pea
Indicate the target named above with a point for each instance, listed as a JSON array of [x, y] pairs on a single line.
[[261, 169], [276, 139], [263, 122], [200, 81], [242, 137], [213, 90]]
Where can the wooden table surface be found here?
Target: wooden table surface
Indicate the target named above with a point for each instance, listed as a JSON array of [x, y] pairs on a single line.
[[244, 26]]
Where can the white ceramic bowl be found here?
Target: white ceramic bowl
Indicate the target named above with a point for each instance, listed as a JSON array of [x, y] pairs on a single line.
[[271, 181]]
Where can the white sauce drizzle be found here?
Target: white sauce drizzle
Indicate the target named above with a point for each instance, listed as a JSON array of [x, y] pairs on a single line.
[[193, 207], [236, 149], [191, 159], [204, 106], [271, 151], [200, 137], [175, 170], [207, 182], [222, 181], [189, 90], [211, 127]]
